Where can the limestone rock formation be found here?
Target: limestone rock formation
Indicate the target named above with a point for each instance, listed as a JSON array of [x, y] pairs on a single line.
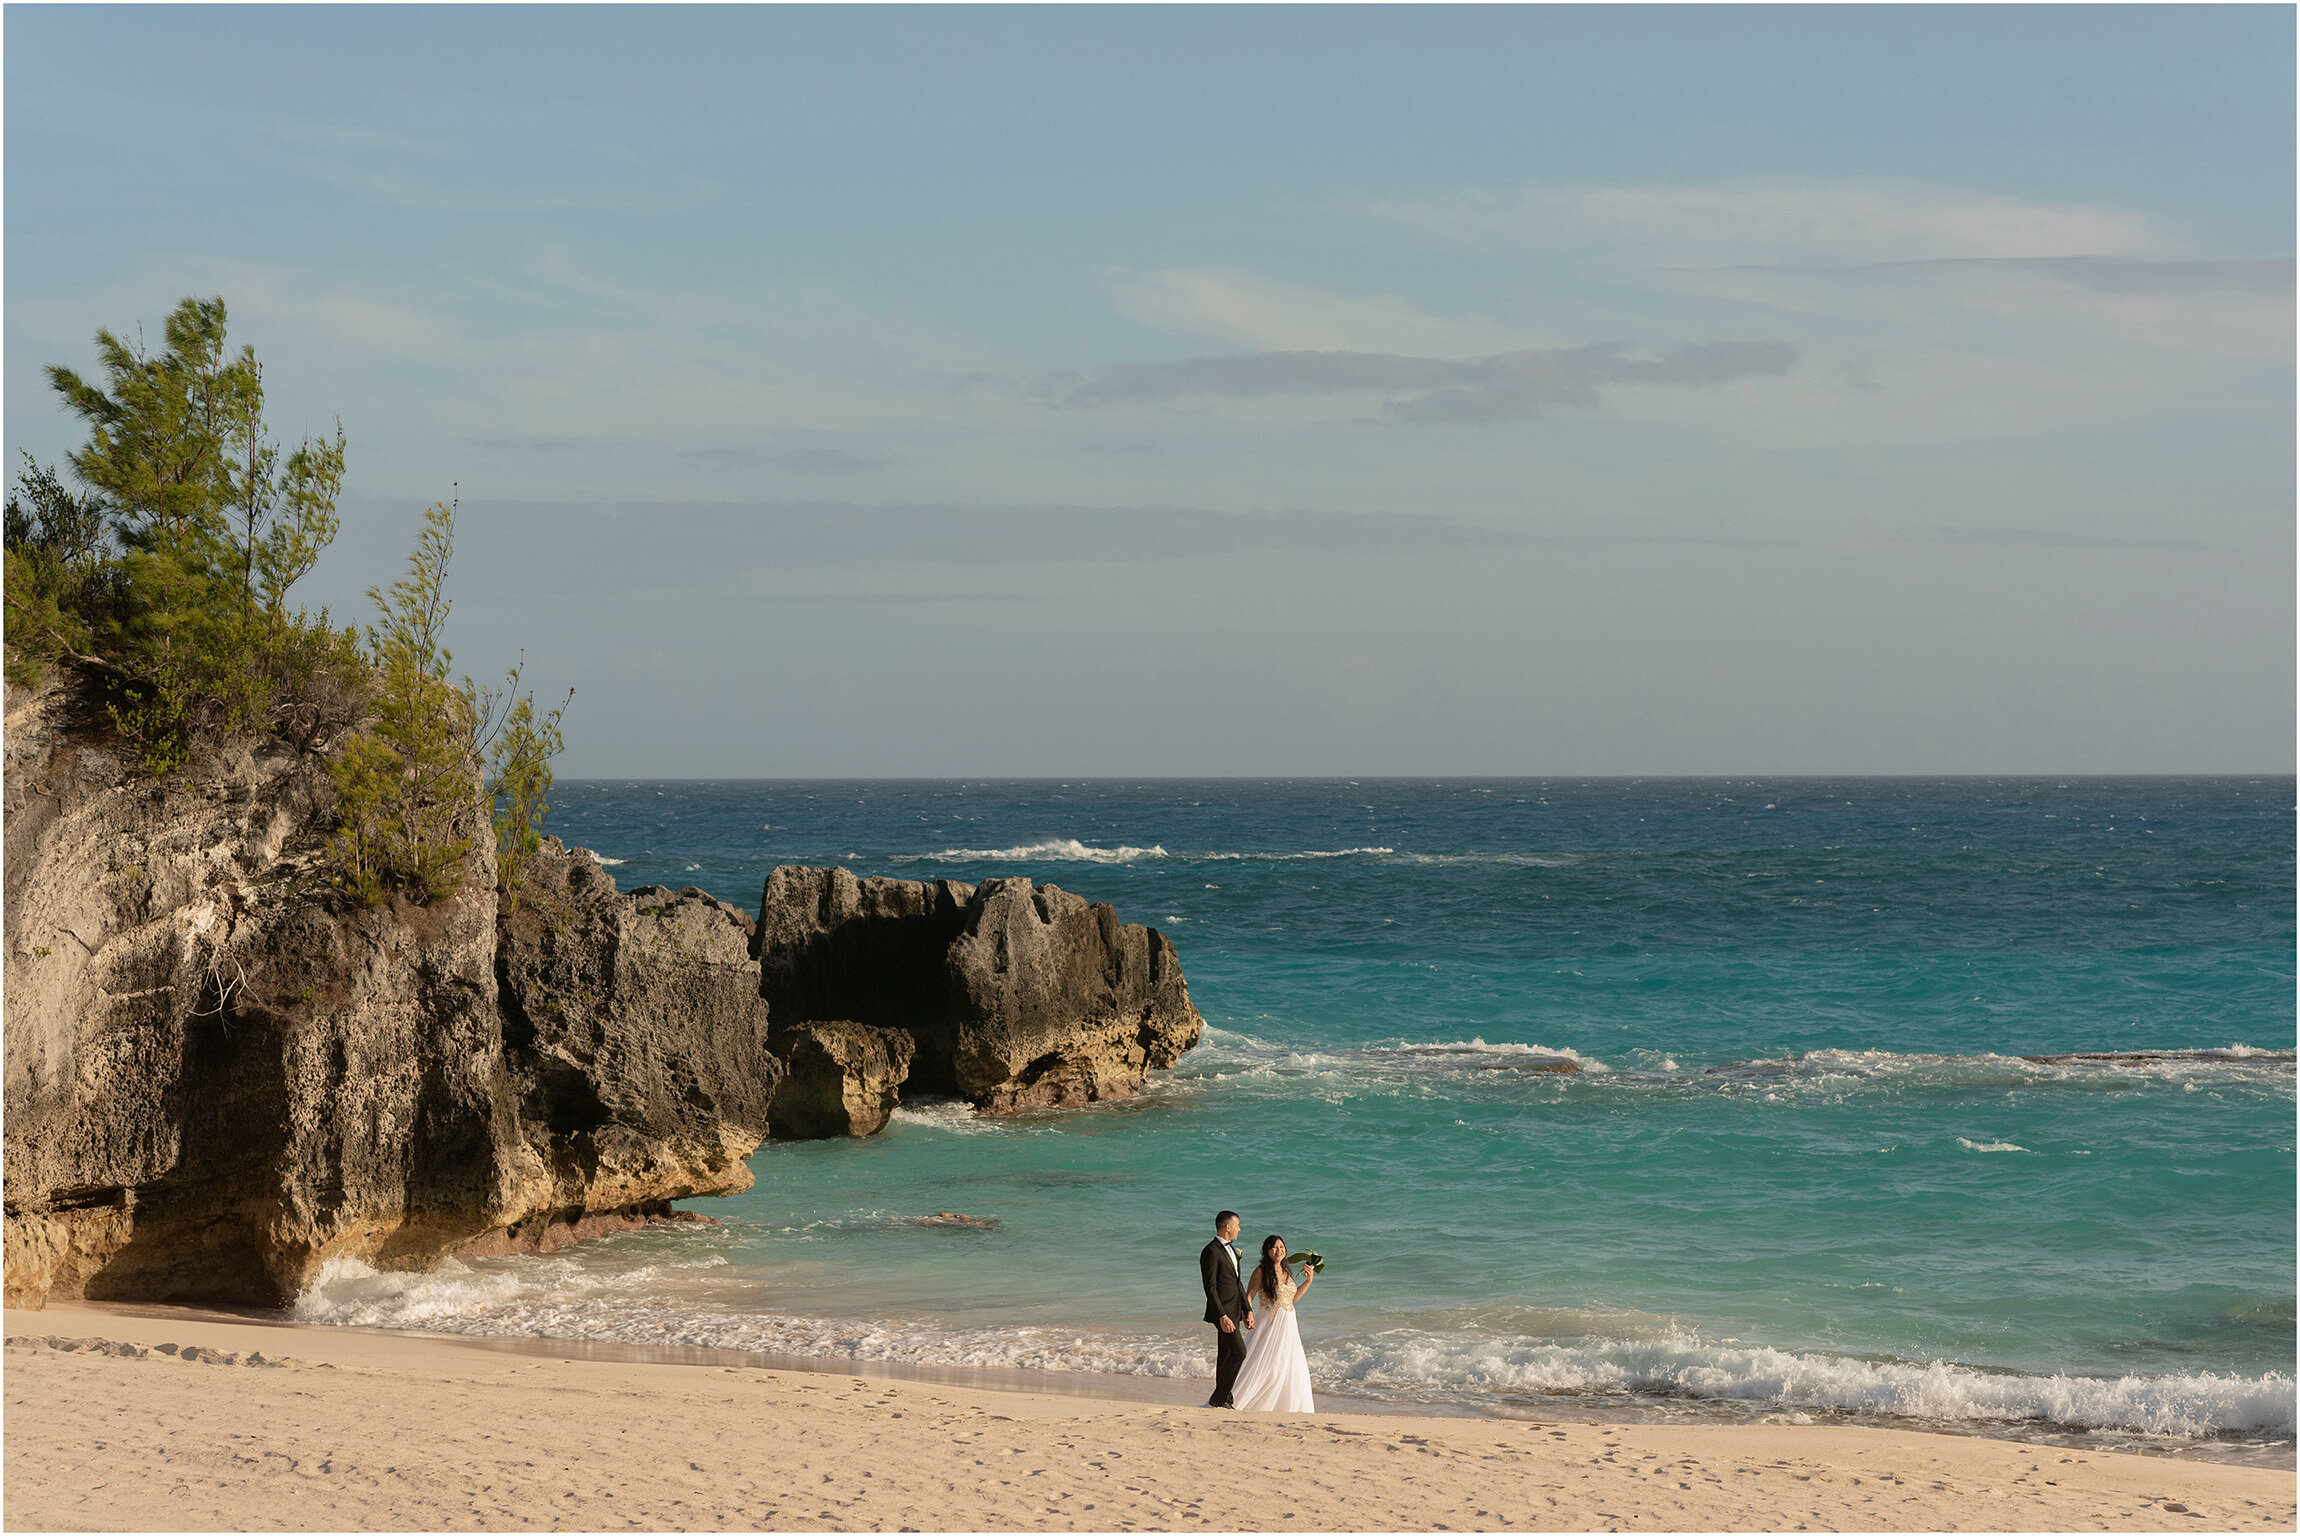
[[635, 1038], [840, 1078], [216, 1075], [1016, 995], [219, 1074]]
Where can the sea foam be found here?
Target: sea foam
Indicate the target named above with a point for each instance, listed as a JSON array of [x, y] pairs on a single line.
[[553, 1298]]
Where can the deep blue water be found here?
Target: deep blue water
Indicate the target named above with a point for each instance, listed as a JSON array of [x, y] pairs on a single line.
[[1804, 1169]]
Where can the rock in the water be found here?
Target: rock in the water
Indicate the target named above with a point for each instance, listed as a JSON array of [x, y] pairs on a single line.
[[840, 1078], [868, 950], [635, 1039], [1016, 995], [1058, 1002]]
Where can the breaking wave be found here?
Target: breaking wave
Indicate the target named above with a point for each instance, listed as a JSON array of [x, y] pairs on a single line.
[[556, 1298], [1056, 851], [1824, 1075], [1060, 850], [2238, 1066]]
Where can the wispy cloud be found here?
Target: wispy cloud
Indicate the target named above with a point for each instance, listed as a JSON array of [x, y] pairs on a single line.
[[2110, 274], [352, 137], [401, 190], [1785, 219], [1510, 386], [1276, 317]]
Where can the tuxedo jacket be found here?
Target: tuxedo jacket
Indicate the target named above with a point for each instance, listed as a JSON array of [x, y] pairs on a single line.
[[1225, 1291]]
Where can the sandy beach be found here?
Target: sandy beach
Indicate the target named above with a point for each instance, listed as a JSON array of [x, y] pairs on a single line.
[[182, 1422]]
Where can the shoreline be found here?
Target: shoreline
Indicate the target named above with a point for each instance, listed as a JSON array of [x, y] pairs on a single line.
[[1100, 1386], [1187, 1391], [335, 1428]]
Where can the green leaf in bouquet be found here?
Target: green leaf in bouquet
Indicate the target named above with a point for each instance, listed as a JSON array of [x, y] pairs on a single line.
[[1315, 1261]]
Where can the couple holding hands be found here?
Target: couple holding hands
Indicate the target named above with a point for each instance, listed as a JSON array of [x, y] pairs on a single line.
[[1258, 1360]]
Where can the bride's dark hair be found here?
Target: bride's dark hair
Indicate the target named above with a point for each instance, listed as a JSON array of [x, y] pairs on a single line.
[[1268, 1268]]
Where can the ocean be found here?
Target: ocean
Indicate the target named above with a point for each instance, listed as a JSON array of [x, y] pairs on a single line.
[[1956, 1103]]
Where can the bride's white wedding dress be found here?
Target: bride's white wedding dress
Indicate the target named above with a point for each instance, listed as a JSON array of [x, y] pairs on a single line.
[[1276, 1375]]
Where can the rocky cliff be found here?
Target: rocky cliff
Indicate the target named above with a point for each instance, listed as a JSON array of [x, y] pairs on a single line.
[[220, 1073], [1013, 995]]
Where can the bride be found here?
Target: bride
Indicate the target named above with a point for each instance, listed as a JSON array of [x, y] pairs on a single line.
[[1275, 1377]]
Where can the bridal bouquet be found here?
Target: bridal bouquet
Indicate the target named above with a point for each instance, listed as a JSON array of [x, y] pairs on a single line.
[[1315, 1261]]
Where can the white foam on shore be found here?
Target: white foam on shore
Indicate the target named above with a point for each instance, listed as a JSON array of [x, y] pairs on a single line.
[[554, 1298], [2181, 1406]]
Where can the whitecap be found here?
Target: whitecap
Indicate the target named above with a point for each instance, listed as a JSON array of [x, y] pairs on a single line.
[[1989, 1146], [1465, 1051], [1054, 851]]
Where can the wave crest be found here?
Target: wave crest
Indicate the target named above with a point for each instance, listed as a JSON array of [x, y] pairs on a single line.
[[1494, 1355], [1054, 851]]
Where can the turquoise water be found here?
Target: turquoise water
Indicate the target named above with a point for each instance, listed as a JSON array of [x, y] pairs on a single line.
[[1804, 1169]]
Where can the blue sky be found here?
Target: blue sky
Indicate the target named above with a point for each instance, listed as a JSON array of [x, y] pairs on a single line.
[[1301, 390]]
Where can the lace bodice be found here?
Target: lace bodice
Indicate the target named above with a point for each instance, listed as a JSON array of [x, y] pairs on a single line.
[[1287, 1290]]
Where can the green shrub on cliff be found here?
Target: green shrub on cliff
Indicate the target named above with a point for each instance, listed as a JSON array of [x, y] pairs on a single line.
[[519, 745], [408, 782], [55, 556], [166, 583]]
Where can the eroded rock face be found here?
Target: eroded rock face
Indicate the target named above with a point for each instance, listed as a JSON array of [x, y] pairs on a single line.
[[219, 1075], [635, 1036], [1060, 1003], [840, 1078], [1016, 995], [867, 950]]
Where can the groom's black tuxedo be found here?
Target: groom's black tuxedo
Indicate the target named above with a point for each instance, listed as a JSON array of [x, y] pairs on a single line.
[[1225, 1292], [1225, 1297]]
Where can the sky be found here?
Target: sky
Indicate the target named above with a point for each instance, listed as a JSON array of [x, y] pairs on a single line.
[[1049, 391]]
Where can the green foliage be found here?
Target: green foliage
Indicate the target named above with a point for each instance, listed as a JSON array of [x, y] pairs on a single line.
[[405, 784], [55, 560], [519, 745], [160, 429], [169, 580]]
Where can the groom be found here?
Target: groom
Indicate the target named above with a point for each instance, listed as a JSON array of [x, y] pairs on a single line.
[[1219, 1268]]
